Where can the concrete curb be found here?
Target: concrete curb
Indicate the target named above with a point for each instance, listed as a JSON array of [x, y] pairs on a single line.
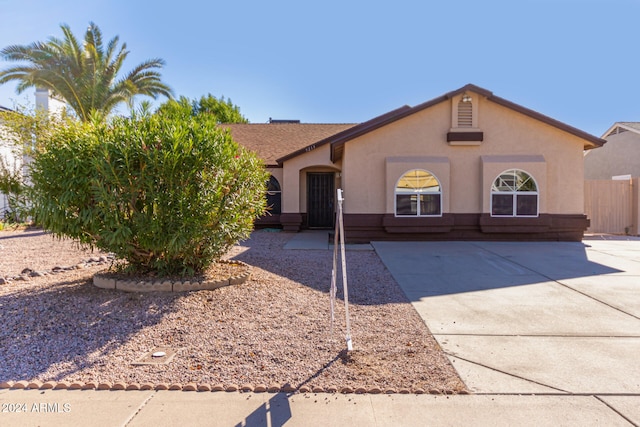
[[111, 281]]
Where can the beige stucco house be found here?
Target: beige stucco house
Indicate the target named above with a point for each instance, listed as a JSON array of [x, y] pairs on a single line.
[[466, 165]]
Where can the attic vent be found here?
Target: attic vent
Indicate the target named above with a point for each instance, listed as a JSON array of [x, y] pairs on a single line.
[[617, 130], [465, 114]]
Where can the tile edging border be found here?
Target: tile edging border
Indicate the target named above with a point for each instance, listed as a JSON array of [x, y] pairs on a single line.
[[245, 388], [106, 280]]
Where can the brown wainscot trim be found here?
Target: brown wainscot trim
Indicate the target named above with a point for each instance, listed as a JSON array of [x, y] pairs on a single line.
[[502, 224], [469, 226], [291, 221], [268, 221], [570, 222], [465, 136], [440, 224]]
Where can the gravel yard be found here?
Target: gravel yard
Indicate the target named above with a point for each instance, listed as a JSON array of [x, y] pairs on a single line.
[[273, 330]]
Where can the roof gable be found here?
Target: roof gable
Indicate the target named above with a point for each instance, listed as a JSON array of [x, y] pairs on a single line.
[[338, 141], [276, 143]]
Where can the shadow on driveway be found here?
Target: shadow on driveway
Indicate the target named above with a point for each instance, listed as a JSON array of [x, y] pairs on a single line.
[[442, 268]]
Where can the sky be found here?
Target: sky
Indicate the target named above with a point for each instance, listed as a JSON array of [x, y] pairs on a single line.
[[348, 61]]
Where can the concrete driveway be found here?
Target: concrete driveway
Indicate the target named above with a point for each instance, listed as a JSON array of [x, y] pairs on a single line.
[[530, 318]]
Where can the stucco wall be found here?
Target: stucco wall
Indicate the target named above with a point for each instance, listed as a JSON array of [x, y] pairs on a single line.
[[277, 174], [294, 179], [619, 156], [368, 183]]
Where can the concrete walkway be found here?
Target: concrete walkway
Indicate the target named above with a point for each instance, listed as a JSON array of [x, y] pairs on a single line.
[[320, 240], [544, 334], [173, 408]]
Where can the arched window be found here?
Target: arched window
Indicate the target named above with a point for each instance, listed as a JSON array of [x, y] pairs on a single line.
[[418, 193], [514, 193], [274, 196]]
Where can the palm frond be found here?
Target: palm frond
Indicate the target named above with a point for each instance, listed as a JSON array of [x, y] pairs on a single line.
[[84, 75]]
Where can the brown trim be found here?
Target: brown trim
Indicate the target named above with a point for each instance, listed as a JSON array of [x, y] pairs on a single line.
[[268, 221], [546, 227], [440, 224], [501, 224], [465, 136], [291, 221], [322, 142], [349, 133], [595, 141], [338, 140]]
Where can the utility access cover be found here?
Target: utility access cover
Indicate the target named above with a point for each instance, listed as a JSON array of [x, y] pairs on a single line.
[[157, 356]]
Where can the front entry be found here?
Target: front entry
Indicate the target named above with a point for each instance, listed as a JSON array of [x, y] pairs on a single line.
[[320, 199]]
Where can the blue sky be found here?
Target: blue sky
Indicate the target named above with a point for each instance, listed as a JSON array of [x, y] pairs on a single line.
[[351, 60]]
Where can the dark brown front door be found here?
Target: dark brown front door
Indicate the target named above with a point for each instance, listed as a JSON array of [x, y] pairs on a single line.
[[320, 199]]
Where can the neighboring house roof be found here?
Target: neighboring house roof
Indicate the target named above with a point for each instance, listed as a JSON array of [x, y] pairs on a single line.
[[4, 109], [274, 140], [621, 155], [620, 127]]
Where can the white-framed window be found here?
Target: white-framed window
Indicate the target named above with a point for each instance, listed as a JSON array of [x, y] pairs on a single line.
[[274, 196], [418, 193], [514, 193]]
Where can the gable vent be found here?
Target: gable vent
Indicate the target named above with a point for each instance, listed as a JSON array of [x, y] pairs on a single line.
[[615, 131], [465, 114]]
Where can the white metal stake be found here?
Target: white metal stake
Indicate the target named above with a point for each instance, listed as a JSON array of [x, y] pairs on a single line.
[[344, 271], [334, 289]]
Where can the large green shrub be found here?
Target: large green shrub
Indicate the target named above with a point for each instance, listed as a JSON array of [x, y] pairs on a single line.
[[169, 193]]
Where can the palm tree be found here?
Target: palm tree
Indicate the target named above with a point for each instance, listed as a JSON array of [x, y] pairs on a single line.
[[85, 76]]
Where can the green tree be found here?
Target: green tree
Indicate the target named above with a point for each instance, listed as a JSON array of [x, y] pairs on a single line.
[[222, 110], [85, 75], [169, 193]]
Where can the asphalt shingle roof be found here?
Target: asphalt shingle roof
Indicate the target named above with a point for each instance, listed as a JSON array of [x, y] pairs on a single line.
[[272, 141]]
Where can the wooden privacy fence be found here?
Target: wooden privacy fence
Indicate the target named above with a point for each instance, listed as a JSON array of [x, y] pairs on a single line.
[[612, 206]]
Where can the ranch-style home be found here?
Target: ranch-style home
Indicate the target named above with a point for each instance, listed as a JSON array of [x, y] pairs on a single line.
[[467, 165]]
